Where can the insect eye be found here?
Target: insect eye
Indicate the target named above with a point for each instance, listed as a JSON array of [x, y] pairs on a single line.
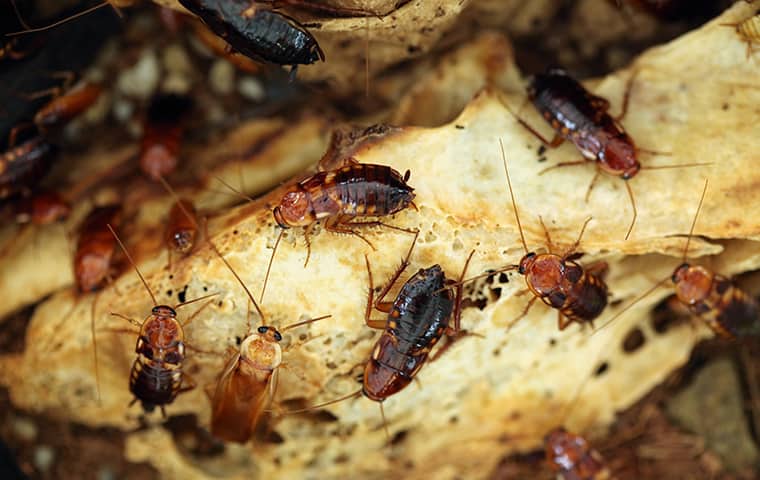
[[262, 329], [557, 299], [277, 336]]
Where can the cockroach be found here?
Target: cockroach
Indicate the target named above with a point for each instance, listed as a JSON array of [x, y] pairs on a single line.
[[730, 312], [262, 34], [579, 294], [222, 49], [416, 320], [95, 248], [571, 457], [664, 9], [42, 208], [337, 197], [67, 103], [577, 115], [162, 135], [748, 30], [182, 227], [156, 377], [248, 383], [24, 164]]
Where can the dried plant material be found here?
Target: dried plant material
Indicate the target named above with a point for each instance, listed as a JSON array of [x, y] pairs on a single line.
[[485, 396]]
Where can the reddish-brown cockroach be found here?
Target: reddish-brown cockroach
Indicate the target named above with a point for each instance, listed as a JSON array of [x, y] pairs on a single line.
[[419, 316], [337, 197], [67, 103], [156, 377], [748, 30], [182, 227], [578, 294], [24, 163], [571, 457], [729, 311], [577, 115], [248, 383], [162, 134], [95, 248], [42, 208]]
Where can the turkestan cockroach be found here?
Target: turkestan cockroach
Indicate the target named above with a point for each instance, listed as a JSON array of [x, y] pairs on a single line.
[[95, 248], [24, 164], [337, 197], [156, 377], [579, 295], [182, 227], [571, 457], [67, 103], [42, 208], [748, 30], [582, 117], [259, 33], [162, 134], [248, 382], [419, 316], [729, 311], [222, 49]]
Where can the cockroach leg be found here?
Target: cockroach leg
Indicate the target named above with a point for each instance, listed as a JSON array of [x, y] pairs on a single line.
[[597, 174]]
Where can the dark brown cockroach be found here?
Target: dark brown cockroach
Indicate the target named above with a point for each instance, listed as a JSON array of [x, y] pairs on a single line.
[[578, 294], [748, 30], [95, 248], [729, 311], [571, 457], [577, 115], [24, 163], [162, 134], [67, 103], [222, 49], [156, 377], [248, 383], [416, 320], [260, 33], [337, 197], [42, 208]]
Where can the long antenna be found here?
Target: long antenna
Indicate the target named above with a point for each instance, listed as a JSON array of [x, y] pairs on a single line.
[[512, 195], [325, 404], [694, 222], [59, 22], [305, 322], [152, 297], [269, 266], [633, 206]]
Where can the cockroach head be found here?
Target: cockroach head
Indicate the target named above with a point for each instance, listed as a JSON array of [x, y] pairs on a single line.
[[164, 311], [293, 210]]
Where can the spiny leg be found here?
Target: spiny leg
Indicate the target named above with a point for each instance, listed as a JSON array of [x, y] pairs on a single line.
[[338, 225], [378, 324]]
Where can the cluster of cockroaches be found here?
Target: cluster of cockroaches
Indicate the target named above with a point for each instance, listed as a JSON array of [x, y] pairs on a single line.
[[345, 200]]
